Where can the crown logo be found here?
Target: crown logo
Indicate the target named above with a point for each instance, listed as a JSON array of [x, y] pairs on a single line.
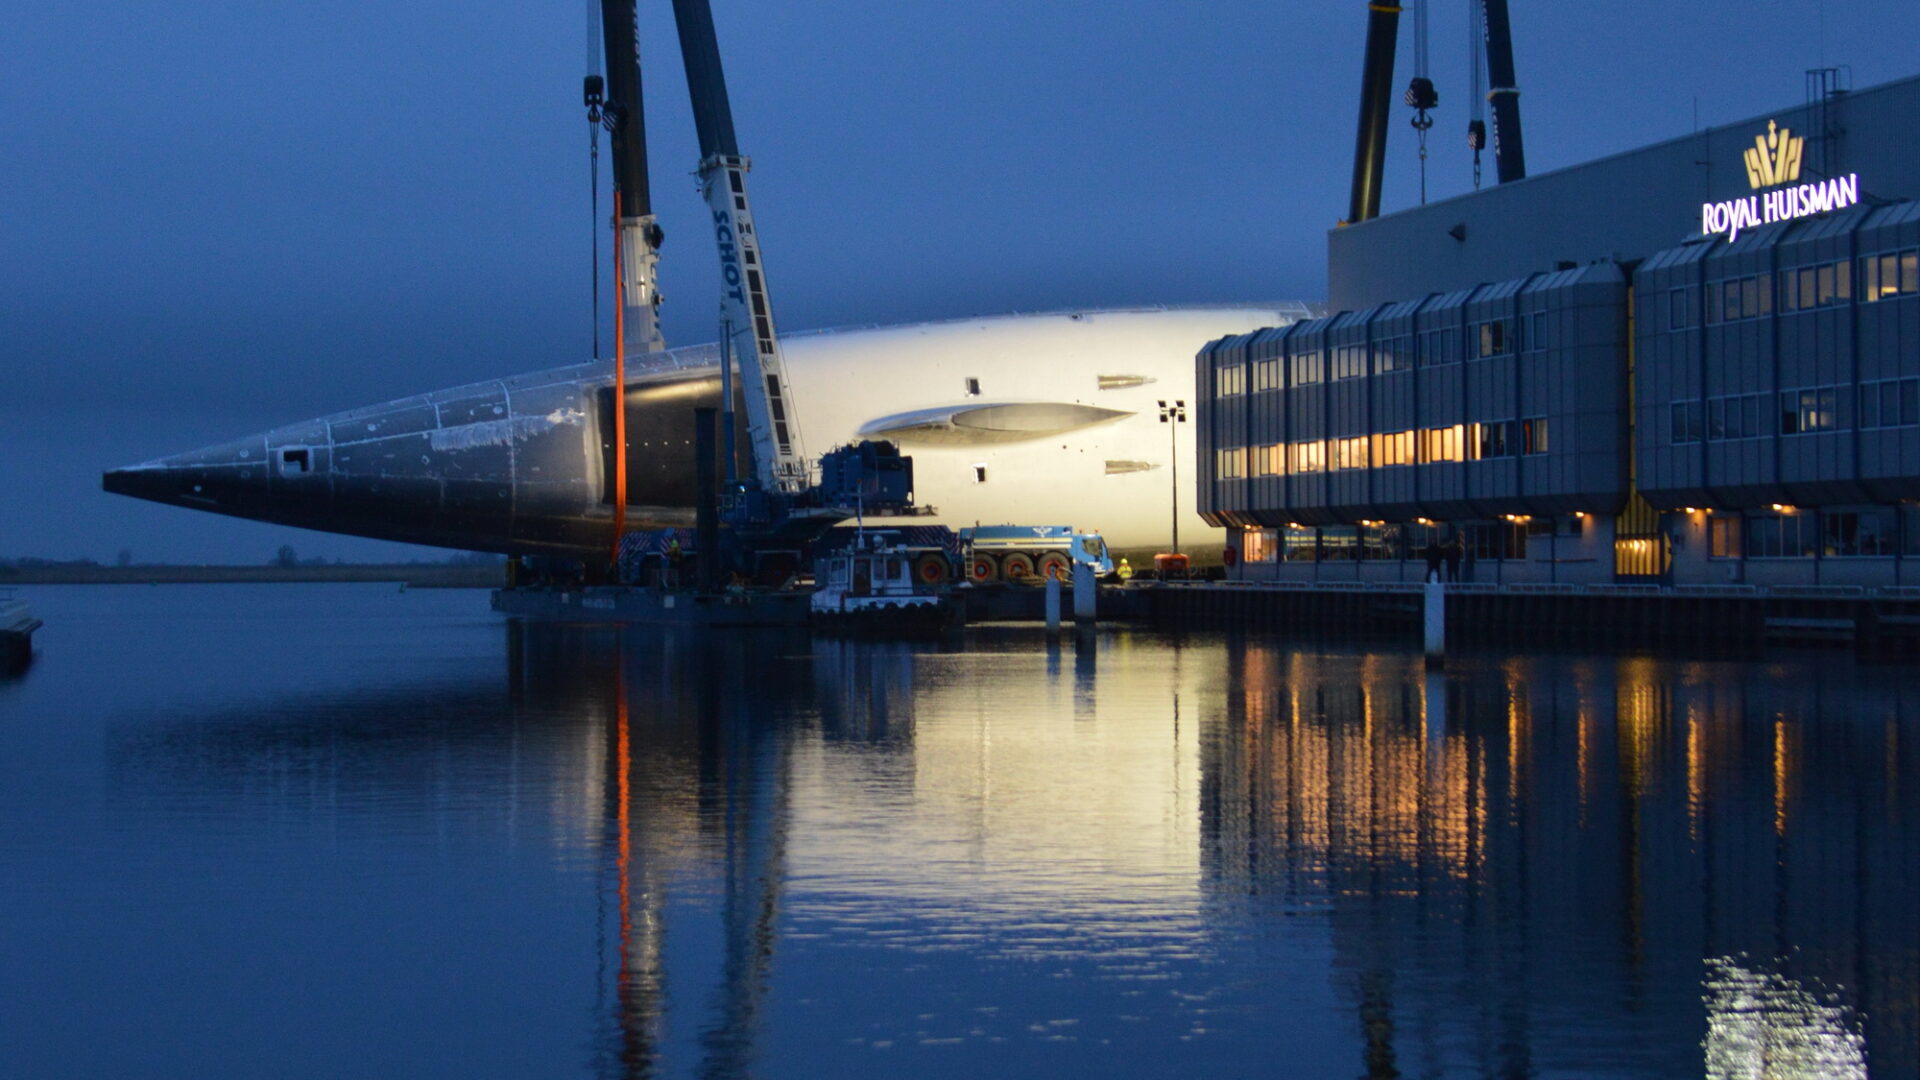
[[1775, 157]]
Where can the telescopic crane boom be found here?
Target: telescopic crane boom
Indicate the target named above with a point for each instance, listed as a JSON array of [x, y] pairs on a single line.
[[639, 233], [1376, 95], [1503, 95], [746, 313]]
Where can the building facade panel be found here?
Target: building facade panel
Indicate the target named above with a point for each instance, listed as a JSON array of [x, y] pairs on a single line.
[[1616, 208], [1521, 363]]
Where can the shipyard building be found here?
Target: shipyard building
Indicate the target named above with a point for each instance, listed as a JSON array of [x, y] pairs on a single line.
[[1693, 363]]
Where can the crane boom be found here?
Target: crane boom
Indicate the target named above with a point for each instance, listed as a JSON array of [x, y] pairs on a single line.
[[746, 312], [1503, 94], [639, 232], [1376, 94]]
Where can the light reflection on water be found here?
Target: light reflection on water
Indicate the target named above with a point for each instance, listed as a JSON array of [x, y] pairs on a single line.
[[301, 831]]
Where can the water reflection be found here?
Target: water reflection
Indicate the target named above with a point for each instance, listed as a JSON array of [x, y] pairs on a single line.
[[1134, 853], [1528, 861], [1766, 1024], [690, 761]]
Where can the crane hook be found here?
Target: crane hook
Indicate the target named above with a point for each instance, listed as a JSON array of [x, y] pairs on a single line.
[[1422, 96]]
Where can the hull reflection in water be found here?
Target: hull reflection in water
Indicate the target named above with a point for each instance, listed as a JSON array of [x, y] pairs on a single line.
[[1150, 856]]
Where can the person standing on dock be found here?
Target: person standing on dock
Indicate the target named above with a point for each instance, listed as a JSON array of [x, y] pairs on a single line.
[[1434, 557], [674, 558], [1453, 558]]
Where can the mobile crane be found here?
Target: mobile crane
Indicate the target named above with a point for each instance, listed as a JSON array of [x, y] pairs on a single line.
[[748, 341], [775, 505]]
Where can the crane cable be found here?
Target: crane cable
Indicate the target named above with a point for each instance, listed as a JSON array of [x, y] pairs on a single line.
[[598, 115], [619, 400], [595, 94], [1476, 65], [1420, 92], [593, 183]]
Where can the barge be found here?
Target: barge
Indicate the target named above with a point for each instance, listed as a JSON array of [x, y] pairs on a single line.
[[17, 625]]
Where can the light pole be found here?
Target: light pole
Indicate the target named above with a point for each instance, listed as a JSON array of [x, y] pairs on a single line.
[[1173, 415]]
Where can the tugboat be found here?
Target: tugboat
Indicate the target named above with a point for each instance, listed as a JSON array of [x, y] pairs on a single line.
[[880, 587], [17, 625]]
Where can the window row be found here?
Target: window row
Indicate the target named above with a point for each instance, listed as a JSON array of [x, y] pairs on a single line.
[[1469, 543], [1458, 442], [1890, 403], [1892, 273], [1805, 534], [1883, 275], [1816, 286], [1486, 339], [1229, 381], [1739, 298], [1744, 416]]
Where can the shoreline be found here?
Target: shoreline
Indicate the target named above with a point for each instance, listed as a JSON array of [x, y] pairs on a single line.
[[425, 576]]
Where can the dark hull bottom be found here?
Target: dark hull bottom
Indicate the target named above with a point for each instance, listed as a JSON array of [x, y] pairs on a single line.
[[617, 604], [16, 651], [919, 621]]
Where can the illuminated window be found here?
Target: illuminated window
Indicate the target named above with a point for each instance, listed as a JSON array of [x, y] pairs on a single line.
[[1300, 545], [1266, 375], [1383, 541], [1268, 460], [1230, 464], [1307, 457], [1339, 543], [1393, 449], [1230, 381], [1259, 546], [1489, 440], [1533, 435], [1889, 274], [1349, 361], [1812, 409], [1442, 444], [1349, 453]]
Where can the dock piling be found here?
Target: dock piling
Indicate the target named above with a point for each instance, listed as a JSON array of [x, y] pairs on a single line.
[[1436, 624]]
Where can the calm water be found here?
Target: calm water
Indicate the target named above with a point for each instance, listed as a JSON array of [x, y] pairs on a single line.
[[328, 831]]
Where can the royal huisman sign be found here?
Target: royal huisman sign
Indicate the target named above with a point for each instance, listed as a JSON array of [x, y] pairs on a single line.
[[1773, 162]]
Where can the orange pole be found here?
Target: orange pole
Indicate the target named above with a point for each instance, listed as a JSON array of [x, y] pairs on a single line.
[[619, 393]]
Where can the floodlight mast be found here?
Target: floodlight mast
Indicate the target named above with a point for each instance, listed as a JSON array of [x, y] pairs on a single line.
[[746, 311]]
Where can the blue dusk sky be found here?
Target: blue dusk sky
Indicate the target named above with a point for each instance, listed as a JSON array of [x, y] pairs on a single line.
[[220, 217]]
